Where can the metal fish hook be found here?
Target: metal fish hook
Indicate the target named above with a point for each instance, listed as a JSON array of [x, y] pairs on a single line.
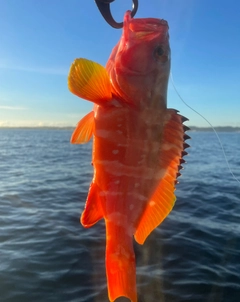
[[104, 7]]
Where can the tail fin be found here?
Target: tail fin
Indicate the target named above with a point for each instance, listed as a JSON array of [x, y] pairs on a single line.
[[120, 263]]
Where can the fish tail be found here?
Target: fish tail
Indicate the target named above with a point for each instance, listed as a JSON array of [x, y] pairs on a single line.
[[120, 263]]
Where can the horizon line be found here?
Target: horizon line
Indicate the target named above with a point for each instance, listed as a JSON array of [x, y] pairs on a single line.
[[191, 127]]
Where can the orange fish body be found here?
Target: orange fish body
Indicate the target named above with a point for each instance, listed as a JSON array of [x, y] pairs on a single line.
[[137, 144]]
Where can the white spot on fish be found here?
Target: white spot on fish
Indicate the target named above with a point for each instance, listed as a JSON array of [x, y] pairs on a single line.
[[114, 167], [119, 125], [121, 252], [115, 151], [119, 132], [117, 182], [110, 193], [137, 195], [118, 219], [137, 184], [152, 203], [131, 206], [102, 133]]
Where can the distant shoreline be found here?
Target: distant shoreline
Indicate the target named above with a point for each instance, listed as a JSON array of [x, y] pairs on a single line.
[[39, 128], [218, 129], [192, 128]]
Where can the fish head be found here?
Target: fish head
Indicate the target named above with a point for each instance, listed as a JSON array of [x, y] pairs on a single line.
[[139, 64]]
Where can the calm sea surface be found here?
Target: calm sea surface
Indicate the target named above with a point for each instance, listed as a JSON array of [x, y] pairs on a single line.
[[46, 255]]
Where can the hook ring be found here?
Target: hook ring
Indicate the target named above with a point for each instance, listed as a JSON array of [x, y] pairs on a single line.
[[104, 8]]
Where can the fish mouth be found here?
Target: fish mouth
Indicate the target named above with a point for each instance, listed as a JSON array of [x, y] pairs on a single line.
[[147, 28], [148, 25]]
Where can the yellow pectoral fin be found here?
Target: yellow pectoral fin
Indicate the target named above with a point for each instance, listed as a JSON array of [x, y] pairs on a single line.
[[90, 81], [162, 201], [84, 130]]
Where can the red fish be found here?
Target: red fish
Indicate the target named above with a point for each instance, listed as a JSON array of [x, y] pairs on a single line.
[[138, 144]]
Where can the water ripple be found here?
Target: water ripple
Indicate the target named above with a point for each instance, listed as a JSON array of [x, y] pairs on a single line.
[[46, 255]]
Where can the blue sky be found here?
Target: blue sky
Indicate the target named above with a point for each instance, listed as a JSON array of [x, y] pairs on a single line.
[[40, 39]]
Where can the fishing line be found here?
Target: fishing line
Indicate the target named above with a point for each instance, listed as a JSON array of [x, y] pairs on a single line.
[[219, 140]]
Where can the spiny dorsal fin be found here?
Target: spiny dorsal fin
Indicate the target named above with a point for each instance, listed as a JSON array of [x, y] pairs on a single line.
[[162, 201]]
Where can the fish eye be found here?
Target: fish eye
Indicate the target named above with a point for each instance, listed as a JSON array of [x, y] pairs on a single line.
[[160, 54], [159, 51]]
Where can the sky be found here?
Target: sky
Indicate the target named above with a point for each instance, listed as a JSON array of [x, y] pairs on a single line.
[[40, 39]]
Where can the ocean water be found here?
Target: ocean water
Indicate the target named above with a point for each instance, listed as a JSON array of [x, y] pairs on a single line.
[[46, 255]]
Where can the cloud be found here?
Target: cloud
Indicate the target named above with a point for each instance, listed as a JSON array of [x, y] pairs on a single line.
[[12, 108], [44, 70], [34, 123]]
